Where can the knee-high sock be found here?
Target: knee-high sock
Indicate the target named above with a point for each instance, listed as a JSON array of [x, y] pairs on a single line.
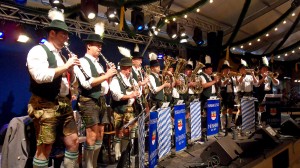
[[37, 163], [223, 121], [71, 159], [117, 142], [88, 155], [229, 120], [98, 145]]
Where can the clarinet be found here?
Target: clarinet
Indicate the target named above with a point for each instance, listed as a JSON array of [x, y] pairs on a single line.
[[72, 54], [110, 64], [136, 88]]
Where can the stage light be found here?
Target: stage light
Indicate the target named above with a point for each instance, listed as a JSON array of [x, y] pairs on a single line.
[[89, 8], [160, 56], [57, 3], [172, 30], [22, 2], [181, 31], [2, 35], [183, 39], [152, 23], [21, 34], [111, 12], [23, 38], [197, 37], [137, 19], [112, 15], [42, 41]]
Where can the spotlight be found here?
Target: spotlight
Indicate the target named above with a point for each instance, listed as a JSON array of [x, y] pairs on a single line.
[[137, 19], [197, 37], [89, 8], [57, 3], [21, 35], [112, 15], [22, 38], [152, 23], [160, 56], [22, 2], [183, 39], [42, 41], [172, 29], [181, 31], [111, 12], [2, 35]]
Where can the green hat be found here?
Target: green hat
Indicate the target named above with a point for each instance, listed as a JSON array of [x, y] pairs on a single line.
[[93, 38], [57, 24], [125, 61]]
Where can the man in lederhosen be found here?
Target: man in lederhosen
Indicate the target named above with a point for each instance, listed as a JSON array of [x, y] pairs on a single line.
[[92, 103]]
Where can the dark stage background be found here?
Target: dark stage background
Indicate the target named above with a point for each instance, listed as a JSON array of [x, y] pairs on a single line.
[[14, 90]]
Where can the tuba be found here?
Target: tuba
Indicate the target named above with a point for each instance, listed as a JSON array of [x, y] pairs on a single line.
[[165, 77], [183, 87], [195, 78]]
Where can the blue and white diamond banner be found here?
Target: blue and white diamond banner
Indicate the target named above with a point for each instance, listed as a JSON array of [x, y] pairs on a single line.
[[213, 113], [195, 110], [153, 144], [141, 140], [164, 131], [180, 129], [248, 114]]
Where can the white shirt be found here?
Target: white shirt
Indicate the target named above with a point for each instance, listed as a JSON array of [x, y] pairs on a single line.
[[247, 84], [267, 82], [213, 89], [87, 69], [230, 85], [152, 82], [116, 89], [39, 70]]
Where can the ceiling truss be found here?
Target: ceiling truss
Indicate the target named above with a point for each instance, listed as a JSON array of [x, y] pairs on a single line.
[[11, 13]]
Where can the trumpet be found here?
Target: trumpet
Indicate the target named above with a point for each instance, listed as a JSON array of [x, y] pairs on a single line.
[[250, 71], [234, 74], [273, 75]]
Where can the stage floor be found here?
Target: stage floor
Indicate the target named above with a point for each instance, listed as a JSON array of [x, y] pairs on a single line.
[[190, 157]]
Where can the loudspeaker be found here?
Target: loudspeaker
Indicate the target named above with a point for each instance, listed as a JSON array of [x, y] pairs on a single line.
[[267, 136], [290, 127], [225, 149]]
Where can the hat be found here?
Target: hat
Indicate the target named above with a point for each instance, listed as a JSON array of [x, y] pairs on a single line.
[[58, 20], [243, 64], [98, 35], [126, 60], [265, 62], [207, 62], [189, 65], [153, 59], [136, 52], [225, 65]]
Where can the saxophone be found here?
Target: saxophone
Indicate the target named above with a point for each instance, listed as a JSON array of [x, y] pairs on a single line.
[[182, 88], [165, 77], [195, 78]]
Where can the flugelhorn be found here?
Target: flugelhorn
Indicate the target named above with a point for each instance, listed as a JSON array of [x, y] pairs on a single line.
[[87, 77]]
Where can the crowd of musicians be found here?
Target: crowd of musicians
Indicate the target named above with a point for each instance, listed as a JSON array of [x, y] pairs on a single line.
[[131, 89]]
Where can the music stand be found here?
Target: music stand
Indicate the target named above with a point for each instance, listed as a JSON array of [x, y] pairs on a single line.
[[273, 109]]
